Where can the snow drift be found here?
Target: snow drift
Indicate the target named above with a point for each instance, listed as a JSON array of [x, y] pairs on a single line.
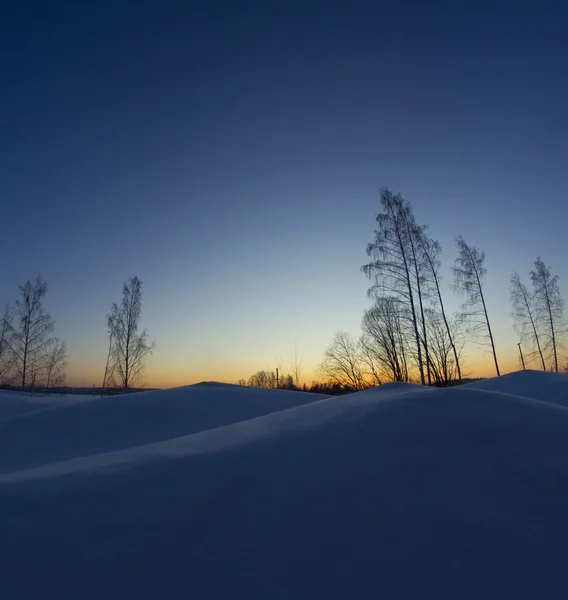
[[396, 492]]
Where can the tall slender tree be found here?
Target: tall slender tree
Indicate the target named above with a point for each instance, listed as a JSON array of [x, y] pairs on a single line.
[[524, 316], [548, 307], [392, 267], [111, 330], [414, 233], [129, 346], [30, 339], [469, 272], [6, 354], [431, 251]]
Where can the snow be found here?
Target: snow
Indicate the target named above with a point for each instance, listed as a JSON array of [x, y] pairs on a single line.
[[395, 492], [68, 428], [17, 403]]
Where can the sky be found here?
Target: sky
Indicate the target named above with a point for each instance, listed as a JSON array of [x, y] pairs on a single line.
[[230, 155]]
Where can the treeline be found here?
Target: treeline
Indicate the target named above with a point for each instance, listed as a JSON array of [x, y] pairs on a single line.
[[31, 358], [275, 381]]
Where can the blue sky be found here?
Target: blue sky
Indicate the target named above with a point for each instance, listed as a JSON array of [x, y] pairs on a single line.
[[230, 155]]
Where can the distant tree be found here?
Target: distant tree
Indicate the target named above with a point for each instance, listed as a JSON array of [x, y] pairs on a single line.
[[129, 346], [342, 362], [394, 268], [6, 354], [30, 341], [469, 272], [111, 330], [262, 379], [267, 379], [296, 366], [385, 339], [242, 381], [548, 307], [524, 316], [55, 365]]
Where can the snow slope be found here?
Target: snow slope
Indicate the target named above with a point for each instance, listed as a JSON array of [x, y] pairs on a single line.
[[17, 403], [71, 429], [396, 492], [528, 384]]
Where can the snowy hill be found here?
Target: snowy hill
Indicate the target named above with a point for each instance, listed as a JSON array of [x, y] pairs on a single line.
[[70, 428], [396, 492]]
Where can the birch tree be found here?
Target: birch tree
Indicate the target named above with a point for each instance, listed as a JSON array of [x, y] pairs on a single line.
[[30, 341], [469, 272], [431, 251], [524, 316], [393, 266], [548, 308], [6, 354], [129, 346]]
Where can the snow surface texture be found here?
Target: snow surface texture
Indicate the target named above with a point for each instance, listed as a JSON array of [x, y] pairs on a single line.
[[396, 492]]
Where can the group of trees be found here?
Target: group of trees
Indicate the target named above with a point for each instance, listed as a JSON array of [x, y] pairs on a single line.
[[29, 355], [538, 316], [407, 332]]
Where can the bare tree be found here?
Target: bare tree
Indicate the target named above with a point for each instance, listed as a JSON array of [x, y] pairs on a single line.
[[369, 360], [55, 365], [30, 341], [111, 330], [443, 349], [548, 307], [414, 233], [384, 337], [431, 250], [296, 366], [524, 316], [342, 362], [6, 354], [469, 272], [130, 347], [393, 268]]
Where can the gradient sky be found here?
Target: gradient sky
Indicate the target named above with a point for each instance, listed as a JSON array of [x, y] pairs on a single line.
[[230, 155]]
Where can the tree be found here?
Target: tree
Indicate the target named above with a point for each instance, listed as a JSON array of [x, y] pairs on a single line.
[[262, 379], [524, 315], [296, 366], [55, 365], [30, 341], [469, 272], [394, 268], [111, 329], [129, 346], [443, 349], [548, 307], [6, 354], [431, 250], [384, 337], [369, 360], [342, 362]]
